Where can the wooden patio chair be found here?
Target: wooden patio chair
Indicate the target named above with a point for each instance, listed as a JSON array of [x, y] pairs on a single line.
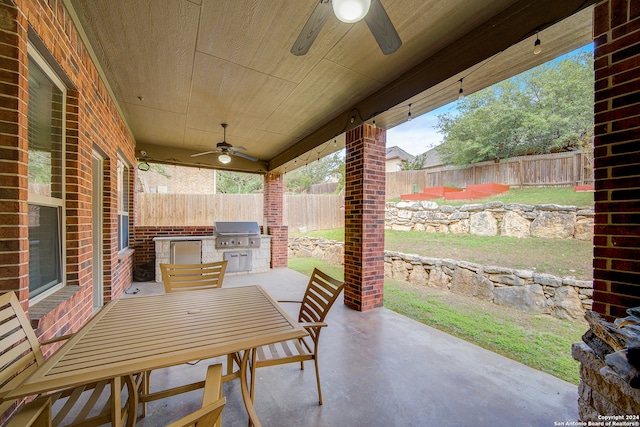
[[189, 277], [320, 295], [212, 403], [21, 354], [182, 278]]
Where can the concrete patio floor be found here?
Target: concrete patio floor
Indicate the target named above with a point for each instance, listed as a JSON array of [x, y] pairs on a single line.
[[378, 368]]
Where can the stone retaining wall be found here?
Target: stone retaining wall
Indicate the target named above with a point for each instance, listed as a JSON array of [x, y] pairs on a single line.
[[602, 392], [565, 298], [492, 219]]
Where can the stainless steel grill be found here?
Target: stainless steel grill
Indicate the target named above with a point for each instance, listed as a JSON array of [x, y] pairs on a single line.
[[237, 234]]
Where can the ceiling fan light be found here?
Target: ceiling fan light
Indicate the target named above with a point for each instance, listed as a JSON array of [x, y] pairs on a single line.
[[351, 11], [224, 159]]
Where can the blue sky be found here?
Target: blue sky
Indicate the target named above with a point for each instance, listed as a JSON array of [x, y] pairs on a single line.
[[419, 135]]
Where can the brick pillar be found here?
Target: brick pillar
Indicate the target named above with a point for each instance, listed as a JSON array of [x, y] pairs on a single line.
[[14, 220], [273, 215], [364, 217], [616, 157]]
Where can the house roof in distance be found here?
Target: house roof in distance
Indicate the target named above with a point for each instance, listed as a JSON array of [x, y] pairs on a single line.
[[396, 152]]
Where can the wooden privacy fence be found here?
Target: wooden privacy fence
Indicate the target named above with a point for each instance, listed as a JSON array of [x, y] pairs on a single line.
[[553, 170], [310, 211], [313, 211], [324, 188], [324, 211]]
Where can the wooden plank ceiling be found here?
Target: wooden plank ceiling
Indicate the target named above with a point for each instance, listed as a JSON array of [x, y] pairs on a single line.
[[179, 68]]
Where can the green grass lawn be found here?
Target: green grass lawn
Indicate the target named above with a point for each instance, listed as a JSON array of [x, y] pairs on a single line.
[[539, 341], [559, 257], [530, 196]]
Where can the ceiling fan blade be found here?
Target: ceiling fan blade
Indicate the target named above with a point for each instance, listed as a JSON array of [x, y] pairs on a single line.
[[237, 148], [312, 28], [203, 153], [245, 156], [382, 28]]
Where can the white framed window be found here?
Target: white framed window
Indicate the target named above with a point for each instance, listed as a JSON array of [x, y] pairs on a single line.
[[46, 130], [123, 205]]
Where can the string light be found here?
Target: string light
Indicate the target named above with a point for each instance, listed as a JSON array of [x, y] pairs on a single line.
[[537, 47], [352, 118], [537, 50]]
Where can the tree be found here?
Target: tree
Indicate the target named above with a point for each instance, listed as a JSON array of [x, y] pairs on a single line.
[[238, 183], [546, 109], [417, 163], [316, 172]]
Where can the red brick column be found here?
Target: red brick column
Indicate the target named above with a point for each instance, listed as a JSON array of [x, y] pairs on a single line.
[[273, 214], [14, 221], [364, 217], [617, 157]]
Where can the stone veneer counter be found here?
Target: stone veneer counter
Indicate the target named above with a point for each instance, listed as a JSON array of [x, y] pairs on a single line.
[[261, 257]]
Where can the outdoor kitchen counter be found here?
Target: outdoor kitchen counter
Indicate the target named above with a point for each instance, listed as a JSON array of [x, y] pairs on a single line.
[[260, 257], [176, 238]]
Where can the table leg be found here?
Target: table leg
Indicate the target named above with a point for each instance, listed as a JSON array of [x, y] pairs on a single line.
[[131, 405], [246, 394], [116, 402]]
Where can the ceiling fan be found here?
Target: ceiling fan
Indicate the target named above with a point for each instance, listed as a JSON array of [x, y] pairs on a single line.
[[227, 150], [350, 11]]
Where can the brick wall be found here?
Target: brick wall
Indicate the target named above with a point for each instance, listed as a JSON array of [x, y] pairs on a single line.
[[364, 217], [273, 213], [14, 232], [617, 155], [92, 121], [144, 245]]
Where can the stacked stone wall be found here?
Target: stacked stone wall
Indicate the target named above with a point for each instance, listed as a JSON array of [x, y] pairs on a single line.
[[526, 290], [602, 393], [492, 219]]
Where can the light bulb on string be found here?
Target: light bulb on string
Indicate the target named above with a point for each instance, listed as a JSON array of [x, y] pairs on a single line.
[[409, 114], [461, 91], [537, 47]]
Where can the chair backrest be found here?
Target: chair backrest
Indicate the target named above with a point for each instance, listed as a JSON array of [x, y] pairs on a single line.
[[320, 295], [190, 277], [20, 352]]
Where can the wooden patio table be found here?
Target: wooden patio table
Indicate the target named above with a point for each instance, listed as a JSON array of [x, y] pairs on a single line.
[[138, 334]]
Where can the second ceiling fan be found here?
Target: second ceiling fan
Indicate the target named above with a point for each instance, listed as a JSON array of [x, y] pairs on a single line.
[[350, 11], [227, 150]]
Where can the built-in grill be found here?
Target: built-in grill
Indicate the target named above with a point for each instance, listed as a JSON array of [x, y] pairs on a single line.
[[237, 234], [242, 236]]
